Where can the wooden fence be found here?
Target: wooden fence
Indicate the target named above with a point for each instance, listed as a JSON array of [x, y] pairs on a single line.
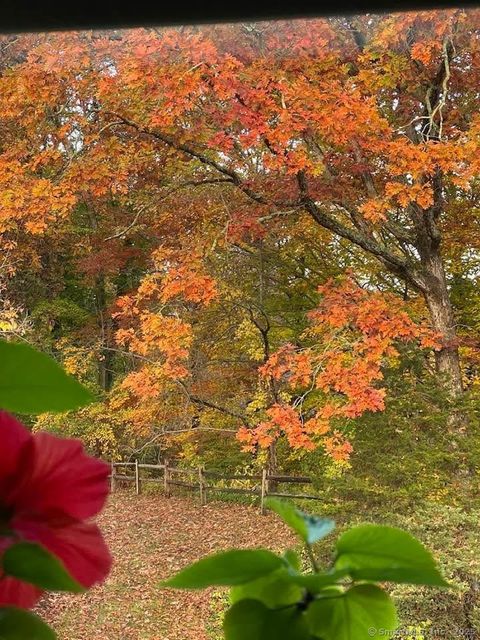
[[203, 481]]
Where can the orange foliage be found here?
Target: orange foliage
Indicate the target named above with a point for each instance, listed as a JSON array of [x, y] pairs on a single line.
[[354, 333], [150, 331]]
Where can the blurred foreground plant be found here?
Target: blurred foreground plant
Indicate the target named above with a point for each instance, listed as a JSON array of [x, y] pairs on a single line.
[[49, 490], [272, 598]]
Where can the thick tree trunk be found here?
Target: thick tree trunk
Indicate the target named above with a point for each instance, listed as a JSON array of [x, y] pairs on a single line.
[[443, 322], [447, 359]]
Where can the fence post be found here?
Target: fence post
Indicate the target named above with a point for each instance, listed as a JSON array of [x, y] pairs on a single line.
[[205, 489], [137, 478], [263, 491], [166, 485], [201, 486], [112, 477]]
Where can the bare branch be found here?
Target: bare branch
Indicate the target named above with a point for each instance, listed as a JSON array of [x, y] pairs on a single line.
[[122, 233]]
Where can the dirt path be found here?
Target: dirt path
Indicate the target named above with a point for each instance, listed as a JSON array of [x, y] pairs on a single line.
[[152, 537]]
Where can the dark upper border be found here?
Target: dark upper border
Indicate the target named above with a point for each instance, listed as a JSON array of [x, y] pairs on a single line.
[[48, 15]]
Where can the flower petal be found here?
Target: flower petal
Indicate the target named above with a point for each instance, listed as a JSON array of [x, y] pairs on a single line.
[[16, 593], [13, 437], [59, 479], [79, 546]]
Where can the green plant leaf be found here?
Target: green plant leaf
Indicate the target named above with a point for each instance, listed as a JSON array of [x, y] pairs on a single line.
[[228, 568], [252, 620], [377, 552], [293, 559], [316, 582], [361, 613], [309, 528], [32, 563], [31, 382], [275, 590], [18, 624]]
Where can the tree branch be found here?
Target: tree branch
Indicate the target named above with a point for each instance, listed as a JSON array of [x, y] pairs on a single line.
[[216, 407], [122, 233], [233, 176], [394, 263]]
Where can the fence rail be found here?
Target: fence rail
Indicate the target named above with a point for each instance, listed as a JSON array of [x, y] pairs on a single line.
[[265, 483]]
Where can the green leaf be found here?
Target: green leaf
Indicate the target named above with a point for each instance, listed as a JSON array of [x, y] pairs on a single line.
[[252, 620], [32, 563], [275, 590], [309, 528], [361, 613], [376, 552], [228, 568], [293, 559], [31, 382], [316, 582], [17, 624]]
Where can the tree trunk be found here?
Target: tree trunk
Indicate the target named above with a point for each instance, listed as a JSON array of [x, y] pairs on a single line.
[[272, 465], [447, 359], [105, 374]]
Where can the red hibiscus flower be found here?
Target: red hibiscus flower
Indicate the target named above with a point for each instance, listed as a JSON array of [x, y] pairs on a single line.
[[49, 488]]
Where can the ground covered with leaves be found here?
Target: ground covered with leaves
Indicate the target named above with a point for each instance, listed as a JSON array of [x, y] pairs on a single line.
[[152, 537]]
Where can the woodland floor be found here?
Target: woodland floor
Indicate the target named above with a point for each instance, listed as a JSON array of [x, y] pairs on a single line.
[[152, 537]]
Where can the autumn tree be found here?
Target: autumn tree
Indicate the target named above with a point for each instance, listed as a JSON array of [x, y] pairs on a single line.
[[365, 124]]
